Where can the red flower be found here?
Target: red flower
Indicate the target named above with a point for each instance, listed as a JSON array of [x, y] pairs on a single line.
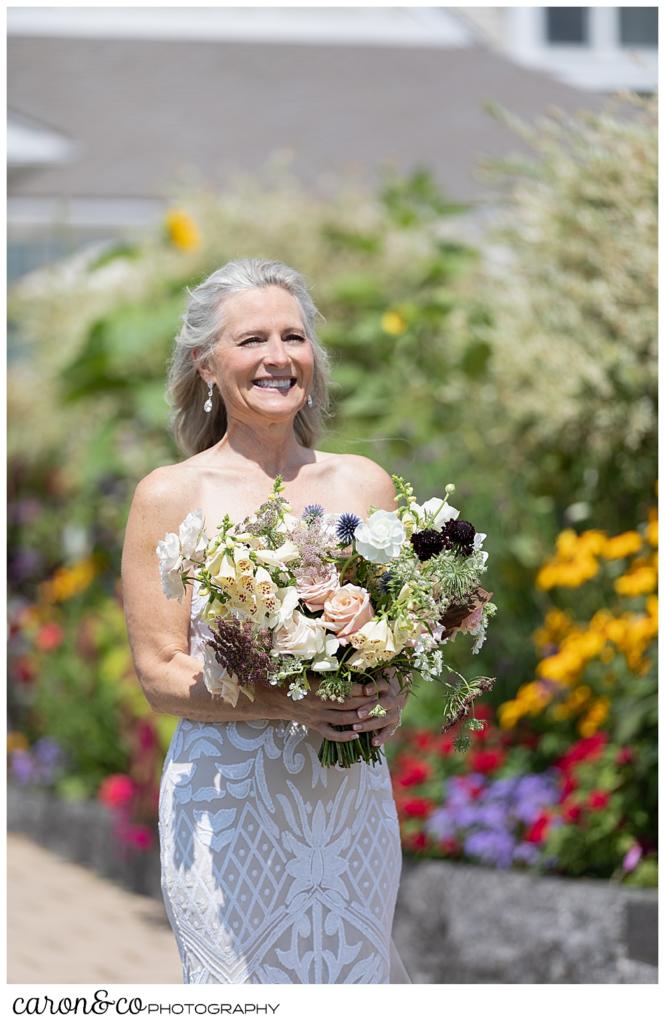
[[624, 756], [116, 791], [445, 745], [598, 799], [417, 807], [484, 711], [415, 773], [572, 812], [449, 846], [423, 739], [49, 637], [419, 841], [569, 785], [537, 831], [586, 749], [147, 735], [485, 761], [24, 670]]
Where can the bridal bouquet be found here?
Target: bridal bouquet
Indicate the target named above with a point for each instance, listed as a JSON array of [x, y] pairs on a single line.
[[338, 596]]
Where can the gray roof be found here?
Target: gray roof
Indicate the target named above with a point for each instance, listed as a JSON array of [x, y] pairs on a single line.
[[144, 111]]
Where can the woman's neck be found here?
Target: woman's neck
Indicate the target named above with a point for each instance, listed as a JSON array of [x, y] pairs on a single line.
[[274, 447]]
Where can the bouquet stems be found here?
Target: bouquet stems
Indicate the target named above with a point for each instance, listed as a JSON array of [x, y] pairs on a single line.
[[348, 752]]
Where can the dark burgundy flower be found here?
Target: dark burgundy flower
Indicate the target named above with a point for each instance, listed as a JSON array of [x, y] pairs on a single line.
[[427, 543]]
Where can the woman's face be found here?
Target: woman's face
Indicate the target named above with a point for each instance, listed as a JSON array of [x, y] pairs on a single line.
[[263, 363]]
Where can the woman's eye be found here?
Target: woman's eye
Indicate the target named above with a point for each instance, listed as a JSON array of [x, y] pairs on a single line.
[[248, 341]]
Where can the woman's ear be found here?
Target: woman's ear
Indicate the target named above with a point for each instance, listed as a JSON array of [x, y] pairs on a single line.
[[201, 367]]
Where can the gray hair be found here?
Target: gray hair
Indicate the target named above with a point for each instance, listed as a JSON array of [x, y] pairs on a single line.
[[195, 430]]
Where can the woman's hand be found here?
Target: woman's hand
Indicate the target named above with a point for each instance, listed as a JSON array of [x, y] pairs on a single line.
[[323, 715], [392, 699], [355, 712]]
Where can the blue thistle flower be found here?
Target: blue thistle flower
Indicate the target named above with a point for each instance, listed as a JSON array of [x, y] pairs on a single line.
[[346, 527], [312, 513], [383, 582]]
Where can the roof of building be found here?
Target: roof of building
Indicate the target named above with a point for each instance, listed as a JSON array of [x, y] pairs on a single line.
[[145, 113]]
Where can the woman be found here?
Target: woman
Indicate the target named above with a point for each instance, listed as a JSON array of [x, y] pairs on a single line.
[[274, 869]]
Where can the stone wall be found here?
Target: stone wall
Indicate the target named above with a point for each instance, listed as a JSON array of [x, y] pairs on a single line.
[[454, 923]]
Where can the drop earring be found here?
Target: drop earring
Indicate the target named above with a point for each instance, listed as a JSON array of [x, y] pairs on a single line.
[[207, 405]]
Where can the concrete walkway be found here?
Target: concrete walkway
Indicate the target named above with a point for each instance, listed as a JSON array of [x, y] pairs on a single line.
[[67, 925]]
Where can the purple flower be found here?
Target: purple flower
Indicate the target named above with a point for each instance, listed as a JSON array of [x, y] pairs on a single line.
[[346, 527], [491, 846], [23, 767], [440, 824], [526, 852], [312, 512], [47, 751]]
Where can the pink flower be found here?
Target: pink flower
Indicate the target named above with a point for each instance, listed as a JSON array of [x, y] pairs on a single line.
[[347, 610], [315, 589], [139, 836], [116, 791], [49, 637], [632, 858]]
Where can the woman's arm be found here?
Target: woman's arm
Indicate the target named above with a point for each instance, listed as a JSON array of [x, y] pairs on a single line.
[[158, 629]]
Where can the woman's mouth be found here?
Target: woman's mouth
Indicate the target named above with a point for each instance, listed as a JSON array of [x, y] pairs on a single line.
[[283, 384]]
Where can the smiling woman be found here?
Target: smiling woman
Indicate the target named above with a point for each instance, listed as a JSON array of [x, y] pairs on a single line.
[[275, 869]]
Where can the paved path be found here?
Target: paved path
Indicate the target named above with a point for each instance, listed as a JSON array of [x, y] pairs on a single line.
[[66, 924]]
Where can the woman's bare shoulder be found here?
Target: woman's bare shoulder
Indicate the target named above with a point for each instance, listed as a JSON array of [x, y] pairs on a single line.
[[366, 477], [168, 491]]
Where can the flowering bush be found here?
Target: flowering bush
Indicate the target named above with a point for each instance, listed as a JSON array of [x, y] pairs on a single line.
[[544, 785]]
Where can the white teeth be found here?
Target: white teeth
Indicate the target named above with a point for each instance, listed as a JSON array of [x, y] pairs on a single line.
[[282, 385]]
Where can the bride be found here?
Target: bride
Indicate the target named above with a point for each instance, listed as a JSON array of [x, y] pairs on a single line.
[[273, 868]]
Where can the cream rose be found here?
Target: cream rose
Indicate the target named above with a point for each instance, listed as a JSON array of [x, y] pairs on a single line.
[[300, 636], [314, 591], [347, 610]]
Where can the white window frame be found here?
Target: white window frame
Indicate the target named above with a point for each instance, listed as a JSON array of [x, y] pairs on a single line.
[[601, 63]]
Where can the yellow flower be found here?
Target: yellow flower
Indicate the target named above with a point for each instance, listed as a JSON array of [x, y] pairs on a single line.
[[622, 545], [509, 714], [16, 741], [639, 581], [547, 577], [182, 230], [593, 541], [566, 544], [68, 581], [393, 322], [652, 533], [652, 607]]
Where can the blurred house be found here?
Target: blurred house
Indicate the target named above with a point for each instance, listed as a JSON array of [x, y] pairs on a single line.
[[110, 109]]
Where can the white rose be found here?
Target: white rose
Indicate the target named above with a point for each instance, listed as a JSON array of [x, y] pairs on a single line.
[[168, 552], [381, 537], [193, 540], [300, 636], [172, 584], [435, 512], [287, 552], [170, 566]]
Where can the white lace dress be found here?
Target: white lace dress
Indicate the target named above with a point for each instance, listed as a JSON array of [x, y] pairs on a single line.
[[275, 870]]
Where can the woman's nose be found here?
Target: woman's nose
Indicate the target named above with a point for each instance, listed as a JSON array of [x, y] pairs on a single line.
[[276, 352]]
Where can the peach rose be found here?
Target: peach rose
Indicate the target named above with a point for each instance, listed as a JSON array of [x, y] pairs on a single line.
[[315, 591], [347, 610]]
